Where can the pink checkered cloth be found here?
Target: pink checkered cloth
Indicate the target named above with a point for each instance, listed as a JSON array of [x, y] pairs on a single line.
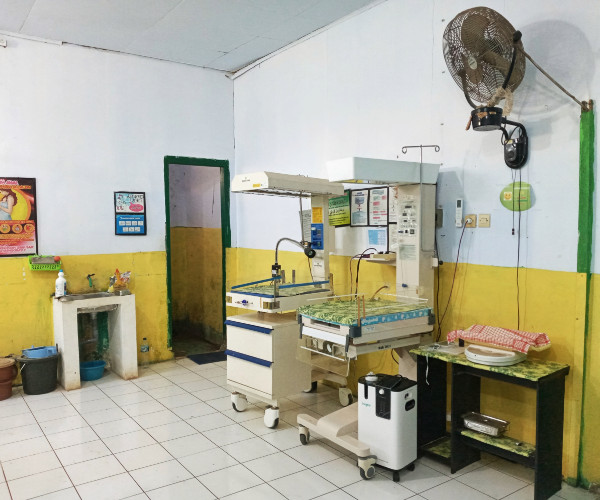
[[514, 340]]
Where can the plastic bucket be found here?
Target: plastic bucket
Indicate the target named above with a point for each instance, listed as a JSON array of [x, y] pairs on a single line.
[[5, 390], [39, 375], [39, 352], [92, 370], [8, 372]]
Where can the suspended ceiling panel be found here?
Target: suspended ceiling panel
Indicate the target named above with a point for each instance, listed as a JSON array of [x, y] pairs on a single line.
[[219, 34]]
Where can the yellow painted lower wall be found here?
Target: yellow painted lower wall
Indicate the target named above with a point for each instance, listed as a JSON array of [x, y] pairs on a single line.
[[590, 451], [27, 302], [197, 279], [550, 302]]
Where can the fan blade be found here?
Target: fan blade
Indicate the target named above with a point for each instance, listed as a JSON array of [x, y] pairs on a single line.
[[497, 61], [472, 33]]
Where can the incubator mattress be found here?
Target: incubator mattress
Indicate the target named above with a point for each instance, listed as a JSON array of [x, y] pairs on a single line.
[[346, 312], [267, 290]]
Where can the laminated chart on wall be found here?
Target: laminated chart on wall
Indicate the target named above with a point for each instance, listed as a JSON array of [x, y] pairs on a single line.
[[130, 213]]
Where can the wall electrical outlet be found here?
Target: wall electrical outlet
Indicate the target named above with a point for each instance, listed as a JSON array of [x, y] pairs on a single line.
[[484, 220], [473, 220]]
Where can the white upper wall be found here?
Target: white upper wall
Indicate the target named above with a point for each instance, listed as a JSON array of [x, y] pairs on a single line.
[[378, 81], [87, 122]]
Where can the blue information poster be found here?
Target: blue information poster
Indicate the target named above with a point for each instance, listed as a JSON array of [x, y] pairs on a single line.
[[130, 213]]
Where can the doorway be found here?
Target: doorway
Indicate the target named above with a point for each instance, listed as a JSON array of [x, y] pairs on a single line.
[[197, 236]]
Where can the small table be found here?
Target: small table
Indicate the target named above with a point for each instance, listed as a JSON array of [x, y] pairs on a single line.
[[464, 446]]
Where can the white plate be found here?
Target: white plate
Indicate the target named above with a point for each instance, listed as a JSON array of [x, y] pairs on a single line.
[[494, 357]]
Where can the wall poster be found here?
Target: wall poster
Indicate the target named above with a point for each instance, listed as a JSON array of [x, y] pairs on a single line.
[[130, 213], [339, 210], [18, 217], [378, 206], [359, 207]]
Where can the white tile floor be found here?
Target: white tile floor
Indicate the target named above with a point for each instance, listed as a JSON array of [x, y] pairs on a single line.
[[172, 434]]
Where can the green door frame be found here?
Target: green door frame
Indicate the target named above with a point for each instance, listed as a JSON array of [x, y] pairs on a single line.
[[223, 165]]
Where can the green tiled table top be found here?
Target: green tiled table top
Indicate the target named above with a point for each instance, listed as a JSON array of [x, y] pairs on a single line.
[[345, 312], [530, 369]]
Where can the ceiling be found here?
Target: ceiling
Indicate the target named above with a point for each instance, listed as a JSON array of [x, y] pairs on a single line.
[[224, 35]]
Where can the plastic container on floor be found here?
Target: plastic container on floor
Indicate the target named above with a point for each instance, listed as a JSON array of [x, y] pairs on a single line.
[[8, 372], [92, 370], [39, 352], [39, 375]]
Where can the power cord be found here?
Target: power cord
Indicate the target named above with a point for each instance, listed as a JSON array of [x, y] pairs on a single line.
[[519, 255], [360, 257], [453, 279]]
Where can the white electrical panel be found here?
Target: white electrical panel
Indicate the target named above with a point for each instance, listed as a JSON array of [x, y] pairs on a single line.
[[414, 238]]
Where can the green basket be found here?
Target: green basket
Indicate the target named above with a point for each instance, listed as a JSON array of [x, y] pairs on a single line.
[[43, 266]]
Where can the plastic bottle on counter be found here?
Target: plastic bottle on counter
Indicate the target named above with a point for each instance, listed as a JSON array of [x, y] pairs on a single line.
[[60, 285], [144, 353]]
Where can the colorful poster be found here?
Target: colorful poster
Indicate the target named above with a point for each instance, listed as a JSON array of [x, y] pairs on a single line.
[[130, 213], [359, 207], [339, 211], [378, 207], [18, 218]]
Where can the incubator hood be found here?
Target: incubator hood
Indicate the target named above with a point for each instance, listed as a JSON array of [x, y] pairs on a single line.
[[375, 171], [276, 184]]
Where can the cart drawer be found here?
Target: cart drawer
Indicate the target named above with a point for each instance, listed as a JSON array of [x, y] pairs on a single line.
[[249, 373], [249, 340]]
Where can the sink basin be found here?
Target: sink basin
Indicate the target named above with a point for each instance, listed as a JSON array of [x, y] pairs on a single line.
[[83, 296]]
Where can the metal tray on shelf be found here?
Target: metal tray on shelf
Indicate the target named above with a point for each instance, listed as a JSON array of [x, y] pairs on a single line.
[[485, 424]]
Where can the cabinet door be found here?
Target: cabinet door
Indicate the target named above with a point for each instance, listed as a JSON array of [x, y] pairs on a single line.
[[250, 374], [251, 341]]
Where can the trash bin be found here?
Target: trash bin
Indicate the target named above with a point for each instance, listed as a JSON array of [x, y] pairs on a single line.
[[8, 372], [39, 374]]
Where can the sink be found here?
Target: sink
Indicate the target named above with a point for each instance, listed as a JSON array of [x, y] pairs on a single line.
[[83, 296]]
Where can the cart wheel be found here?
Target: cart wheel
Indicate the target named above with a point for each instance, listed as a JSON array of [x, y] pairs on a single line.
[[410, 466], [271, 418], [367, 474], [345, 396], [313, 387], [304, 434], [239, 402], [366, 466]]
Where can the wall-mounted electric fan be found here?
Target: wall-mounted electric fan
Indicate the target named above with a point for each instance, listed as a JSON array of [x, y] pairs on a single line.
[[485, 56]]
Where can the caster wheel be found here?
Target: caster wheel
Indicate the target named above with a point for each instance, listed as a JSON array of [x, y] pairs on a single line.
[[304, 435], [366, 466], [367, 474], [313, 387], [271, 418], [345, 396], [396, 476], [410, 467], [239, 402]]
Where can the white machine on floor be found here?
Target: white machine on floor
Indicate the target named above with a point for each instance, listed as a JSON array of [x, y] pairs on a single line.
[[385, 431], [405, 320], [261, 345]]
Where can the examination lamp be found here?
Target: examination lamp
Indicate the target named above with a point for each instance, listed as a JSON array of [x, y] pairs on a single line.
[[305, 245], [490, 118]]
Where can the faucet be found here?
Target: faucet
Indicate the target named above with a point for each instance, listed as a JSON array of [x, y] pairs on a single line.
[[89, 278]]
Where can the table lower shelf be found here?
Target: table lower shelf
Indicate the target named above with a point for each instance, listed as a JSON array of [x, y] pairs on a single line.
[[439, 449], [505, 447]]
